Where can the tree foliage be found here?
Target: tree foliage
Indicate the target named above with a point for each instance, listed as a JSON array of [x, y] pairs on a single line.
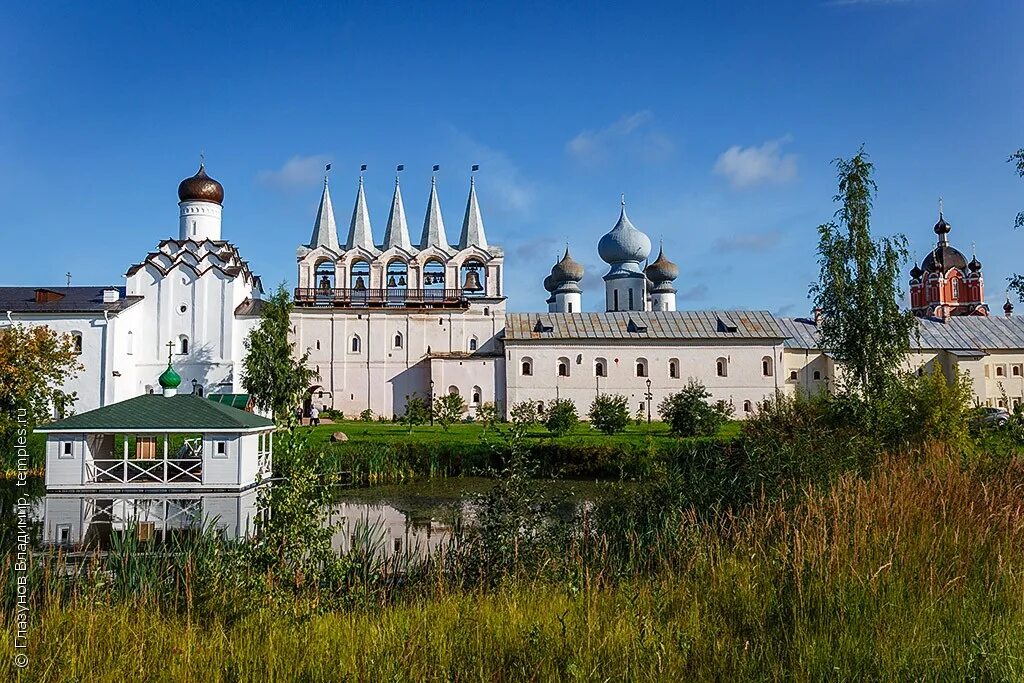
[[561, 417], [1017, 280], [35, 364], [274, 377], [609, 414], [487, 414], [417, 411], [449, 408], [858, 292], [524, 414], [688, 412]]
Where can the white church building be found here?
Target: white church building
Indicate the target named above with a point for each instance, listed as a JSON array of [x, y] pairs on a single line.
[[193, 292], [385, 319]]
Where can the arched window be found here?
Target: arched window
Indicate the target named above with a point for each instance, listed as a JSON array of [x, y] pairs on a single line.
[[563, 367], [956, 288], [767, 367], [472, 343], [722, 367], [359, 276], [433, 276], [357, 344], [317, 344], [476, 396], [747, 407], [641, 367], [76, 343], [183, 345], [600, 367], [673, 368], [1000, 371], [1016, 371], [398, 340], [453, 390], [527, 367], [817, 374]]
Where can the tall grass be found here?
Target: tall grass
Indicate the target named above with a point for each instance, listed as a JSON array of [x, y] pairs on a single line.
[[913, 572]]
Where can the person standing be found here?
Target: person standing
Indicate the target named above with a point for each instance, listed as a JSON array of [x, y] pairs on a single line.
[[314, 416]]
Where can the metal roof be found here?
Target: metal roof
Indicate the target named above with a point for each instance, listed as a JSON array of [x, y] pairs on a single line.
[[958, 333], [155, 412], [73, 300], [681, 325]]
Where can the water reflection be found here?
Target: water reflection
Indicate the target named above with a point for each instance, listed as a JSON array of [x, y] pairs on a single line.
[[76, 522]]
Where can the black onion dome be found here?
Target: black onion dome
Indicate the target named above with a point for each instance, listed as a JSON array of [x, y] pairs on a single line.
[[661, 269], [916, 272], [942, 258], [549, 283], [201, 187], [1008, 306], [974, 265], [567, 270], [942, 227]]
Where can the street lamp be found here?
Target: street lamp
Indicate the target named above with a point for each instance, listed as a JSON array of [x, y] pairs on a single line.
[[195, 383], [648, 396]]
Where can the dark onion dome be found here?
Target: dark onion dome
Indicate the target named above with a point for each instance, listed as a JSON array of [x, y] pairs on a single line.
[[942, 227], [549, 283], [915, 272], [567, 270], [974, 265], [1008, 306], [942, 258], [624, 242], [201, 187], [662, 270]]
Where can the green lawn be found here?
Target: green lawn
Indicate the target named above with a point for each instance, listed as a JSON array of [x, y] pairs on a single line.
[[377, 432]]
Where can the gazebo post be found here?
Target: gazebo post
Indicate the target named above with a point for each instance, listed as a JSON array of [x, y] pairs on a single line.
[[124, 462], [165, 457]]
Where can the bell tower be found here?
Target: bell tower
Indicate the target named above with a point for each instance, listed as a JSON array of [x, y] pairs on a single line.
[[200, 201]]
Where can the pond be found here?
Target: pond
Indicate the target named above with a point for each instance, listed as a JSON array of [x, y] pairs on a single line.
[[417, 516]]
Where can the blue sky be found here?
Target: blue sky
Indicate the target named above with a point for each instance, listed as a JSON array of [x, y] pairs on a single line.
[[717, 120]]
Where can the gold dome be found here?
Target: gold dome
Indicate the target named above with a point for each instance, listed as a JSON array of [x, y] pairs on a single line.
[[201, 187]]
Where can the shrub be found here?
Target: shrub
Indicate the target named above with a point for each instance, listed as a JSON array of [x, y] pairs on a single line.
[[449, 408], [561, 417], [366, 415], [609, 414], [417, 411], [487, 414], [688, 412], [524, 414]]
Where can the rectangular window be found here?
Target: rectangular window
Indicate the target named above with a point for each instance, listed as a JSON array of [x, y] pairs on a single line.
[[615, 299], [570, 307], [63, 533], [67, 451], [221, 449], [631, 298]]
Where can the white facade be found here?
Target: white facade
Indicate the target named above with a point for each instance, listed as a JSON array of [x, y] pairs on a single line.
[[194, 293]]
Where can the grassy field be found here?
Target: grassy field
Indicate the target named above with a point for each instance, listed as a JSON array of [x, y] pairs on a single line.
[[914, 573], [471, 433]]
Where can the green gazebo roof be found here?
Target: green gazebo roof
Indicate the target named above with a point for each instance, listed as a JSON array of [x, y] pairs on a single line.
[[156, 413], [234, 400]]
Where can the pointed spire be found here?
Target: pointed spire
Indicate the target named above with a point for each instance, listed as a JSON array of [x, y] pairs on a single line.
[[325, 230], [473, 223], [359, 232], [433, 225], [397, 232]]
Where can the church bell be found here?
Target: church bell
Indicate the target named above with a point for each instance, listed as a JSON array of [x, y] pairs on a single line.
[[472, 283], [360, 286]]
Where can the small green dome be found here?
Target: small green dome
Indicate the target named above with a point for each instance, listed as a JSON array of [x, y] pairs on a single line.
[[170, 379]]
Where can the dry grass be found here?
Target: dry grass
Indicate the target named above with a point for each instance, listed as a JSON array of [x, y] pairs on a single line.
[[912, 574]]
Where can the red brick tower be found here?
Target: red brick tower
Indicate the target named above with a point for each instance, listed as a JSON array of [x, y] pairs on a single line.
[[947, 284]]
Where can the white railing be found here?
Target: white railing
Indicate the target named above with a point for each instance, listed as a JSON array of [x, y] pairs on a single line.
[[165, 471]]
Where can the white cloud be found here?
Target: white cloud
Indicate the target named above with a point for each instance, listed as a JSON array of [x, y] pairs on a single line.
[[500, 179], [751, 166], [631, 135], [297, 172], [695, 293]]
